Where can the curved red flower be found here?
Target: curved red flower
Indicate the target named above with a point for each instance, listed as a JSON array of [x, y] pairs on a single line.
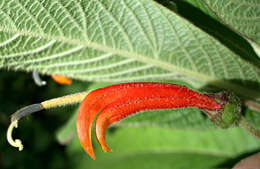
[[119, 101]]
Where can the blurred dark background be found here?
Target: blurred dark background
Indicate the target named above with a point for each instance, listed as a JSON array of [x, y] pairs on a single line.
[[37, 131]]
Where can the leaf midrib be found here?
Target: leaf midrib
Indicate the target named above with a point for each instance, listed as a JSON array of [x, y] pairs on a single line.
[[157, 63]]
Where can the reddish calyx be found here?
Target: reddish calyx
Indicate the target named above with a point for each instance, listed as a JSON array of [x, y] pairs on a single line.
[[119, 101]]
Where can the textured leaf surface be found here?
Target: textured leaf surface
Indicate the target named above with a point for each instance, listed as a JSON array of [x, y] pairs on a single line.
[[151, 147], [241, 15], [124, 40], [186, 118]]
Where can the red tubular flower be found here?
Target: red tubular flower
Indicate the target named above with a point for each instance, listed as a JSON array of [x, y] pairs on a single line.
[[119, 101]]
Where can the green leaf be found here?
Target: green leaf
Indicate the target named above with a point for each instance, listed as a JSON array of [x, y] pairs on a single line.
[[185, 118], [109, 40], [240, 15], [165, 160], [166, 147], [192, 10]]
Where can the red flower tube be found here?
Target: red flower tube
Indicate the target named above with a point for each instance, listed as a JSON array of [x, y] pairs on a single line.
[[118, 101]]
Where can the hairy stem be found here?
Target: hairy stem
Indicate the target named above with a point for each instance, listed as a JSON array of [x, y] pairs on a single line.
[[243, 123], [252, 105]]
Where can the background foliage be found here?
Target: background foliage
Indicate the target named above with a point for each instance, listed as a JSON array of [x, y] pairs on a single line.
[[207, 45]]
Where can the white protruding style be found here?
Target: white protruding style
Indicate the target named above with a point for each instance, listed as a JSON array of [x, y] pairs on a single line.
[[17, 142]]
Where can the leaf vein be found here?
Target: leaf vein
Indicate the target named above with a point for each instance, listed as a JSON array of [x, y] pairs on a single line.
[[61, 54], [122, 30], [39, 49]]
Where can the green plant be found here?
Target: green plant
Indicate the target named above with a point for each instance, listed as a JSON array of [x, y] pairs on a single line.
[[203, 44]]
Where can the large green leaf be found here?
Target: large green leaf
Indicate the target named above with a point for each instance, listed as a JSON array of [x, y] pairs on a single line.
[[109, 40], [192, 10], [242, 16], [152, 147]]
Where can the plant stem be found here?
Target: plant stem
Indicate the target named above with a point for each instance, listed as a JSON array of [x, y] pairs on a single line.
[[252, 105], [243, 123]]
